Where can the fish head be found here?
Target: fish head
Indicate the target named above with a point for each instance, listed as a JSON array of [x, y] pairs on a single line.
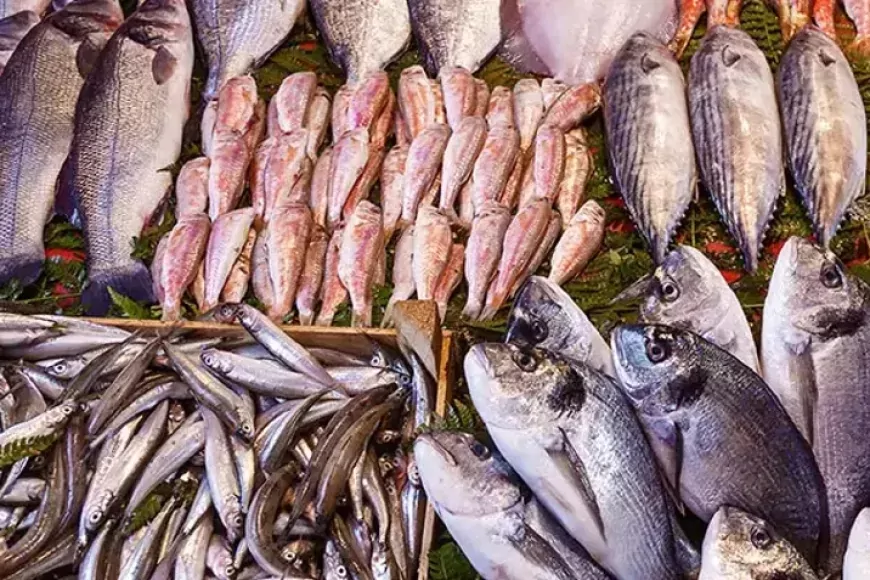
[[159, 22], [83, 18], [658, 367], [644, 54], [812, 290], [738, 544], [213, 360], [685, 286], [462, 477]]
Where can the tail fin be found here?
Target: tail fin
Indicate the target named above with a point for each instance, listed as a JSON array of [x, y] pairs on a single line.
[[132, 281], [25, 267]]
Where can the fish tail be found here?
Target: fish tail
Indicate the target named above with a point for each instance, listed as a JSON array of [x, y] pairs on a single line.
[[132, 281], [860, 47], [472, 309], [306, 316], [361, 319], [24, 267]]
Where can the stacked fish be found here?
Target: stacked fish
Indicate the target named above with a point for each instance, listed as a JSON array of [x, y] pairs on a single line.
[[675, 418], [131, 457]]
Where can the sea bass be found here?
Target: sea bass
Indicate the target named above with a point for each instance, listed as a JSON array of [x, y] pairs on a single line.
[[820, 97], [814, 355], [738, 137], [573, 438], [128, 131], [649, 138], [237, 36], [38, 93], [720, 434], [363, 36]]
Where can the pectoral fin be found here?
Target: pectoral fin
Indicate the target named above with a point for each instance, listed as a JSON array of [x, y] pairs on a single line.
[[163, 66], [667, 445]]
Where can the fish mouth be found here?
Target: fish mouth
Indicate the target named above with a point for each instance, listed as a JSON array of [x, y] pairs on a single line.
[[478, 357], [431, 440]]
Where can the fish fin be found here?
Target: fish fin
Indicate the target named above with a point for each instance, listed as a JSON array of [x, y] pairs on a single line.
[[87, 56], [635, 291], [65, 201], [163, 66], [570, 461], [667, 445], [720, 336], [133, 281], [23, 266]]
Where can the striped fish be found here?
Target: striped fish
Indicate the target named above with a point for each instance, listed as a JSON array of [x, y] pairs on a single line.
[[738, 137], [649, 139]]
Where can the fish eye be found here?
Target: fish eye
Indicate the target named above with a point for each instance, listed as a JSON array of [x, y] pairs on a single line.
[[378, 360], [230, 571], [341, 571], [670, 292], [479, 449], [227, 311], [657, 351], [760, 538], [95, 516], [525, 361], [59, 368], [539, 330], [830, 276], [404, 380]]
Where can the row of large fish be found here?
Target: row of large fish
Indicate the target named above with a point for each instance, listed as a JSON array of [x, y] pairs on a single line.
[[680, 416]]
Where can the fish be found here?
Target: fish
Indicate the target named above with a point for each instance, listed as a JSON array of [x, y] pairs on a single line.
[[580, 242], [494, 165], [278, 167], [191, 188], [500, 109], [578, 171], [349, 158], [431, 251], [311, 278], [382, 128], [38, 95], [416, 100], [364, 36], [739, 545], [462, 149], [288, 109], [450, 279], [238, 36], [649, 139], [573, 107], [119, 171], [551, 90], [369, 98], [261, 278], [393, 189], [38, 7], [477, 496], [287, 237], [738, 137], [361, 242], [581, 46], [363, 186], [528, 110], [228, 236], [453, 33], [403, 273], [549, 162], [460, 94], [858, 551], [819, 96], [317, 120], [319, 201], [703, 410], [859, 12], [332, 293], [483, 253], [185, 248], [13, 29], [688, 291], [516, 49], [236, 287], [551, 234], [574, 439], [422, 167], [814, 322]]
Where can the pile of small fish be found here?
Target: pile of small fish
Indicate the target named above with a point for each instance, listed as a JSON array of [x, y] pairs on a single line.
[[126, 456], [679, 417]]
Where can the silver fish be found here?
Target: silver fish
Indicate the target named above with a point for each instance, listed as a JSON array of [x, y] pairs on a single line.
[[13, 29], [239, 35], [738, 137], [820, 97], [649, 138], [38, 93], [120, 154], [857, 557]]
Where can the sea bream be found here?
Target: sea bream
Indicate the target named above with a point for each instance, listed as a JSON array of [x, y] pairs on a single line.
[[237, 36], [825, 128], [814, 352], [38, 93], [738, 137], [128, 132], [649, 139]]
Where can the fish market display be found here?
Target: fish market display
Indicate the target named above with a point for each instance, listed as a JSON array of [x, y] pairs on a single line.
[[819, 97], [238, 35], [119, 153], [38, 94], [738, 137], [649, 138], [814, 358]]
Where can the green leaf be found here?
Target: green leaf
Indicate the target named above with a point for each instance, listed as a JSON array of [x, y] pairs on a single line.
[[18, 449], [449, 563], [128, 307]]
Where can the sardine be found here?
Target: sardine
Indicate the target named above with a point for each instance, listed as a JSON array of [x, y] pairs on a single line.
[[579, 244]]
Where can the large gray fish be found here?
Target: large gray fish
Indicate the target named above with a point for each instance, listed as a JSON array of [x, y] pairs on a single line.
[[38, 94], [478, 498], [572, 436], [688, 291], [857, 560], [740, 546], [128, 131], [738, 137], [815, 358], [456, 32], [10, 7], [363, 36], [13, 29], [720, 434], [239, 35], [649, 138], [825, 128]]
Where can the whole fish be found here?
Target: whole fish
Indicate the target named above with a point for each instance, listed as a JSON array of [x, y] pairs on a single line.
[[580, 242], [820, 97], [705, 412], [450, 279], [494, 165], [500, 109], [422, 167], [483, 254], [649, 138], [368, 100], [236, 287], [278, 166], [363, 36], [462, 149], [578, 171], [432, 243], [460, 94], [361, 243], [740, 546], [238, 36], [228, 236], [738, 137], [403, 273], [574, 439], [549, 161], [416, 100], [319, 201], [120, 153], [38, 93], [332, 293], [573, 107], [191, 188], [551, 90], [350, 156], [393, 189], [528, 102], [688, 291], [288, 109], [312, 275], [287, 237], [478, 498], [185, 248], [858, 552], [812, 352]]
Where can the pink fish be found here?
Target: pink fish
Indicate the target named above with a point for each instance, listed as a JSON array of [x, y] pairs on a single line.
[[466, 204], [495, 164], [578, 170], [551, 90], [574, 106], [511, 194], [421, 167], [287, 235], [438, 112], [349, 158], [206, 126], [340, 105], [416, 100], [579, 244], [261, 280], [858, 11], [361, 245], [500, 109], [229, 233], [312, 275], [690, 14], [403, 273], [460, 155], [191, 188], [392, 189], [481, 102], [288, 109], [236, 286], [317, 120], [369, 98], [332, 293], [549, 162], [554, 228], [319, 201], [527, 185], [450, 279], [383, 125], [403, 135], [528, 110], [278, 165], [197, 287], [460, 94], [483, 254], [432, 243], [366, 181]]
